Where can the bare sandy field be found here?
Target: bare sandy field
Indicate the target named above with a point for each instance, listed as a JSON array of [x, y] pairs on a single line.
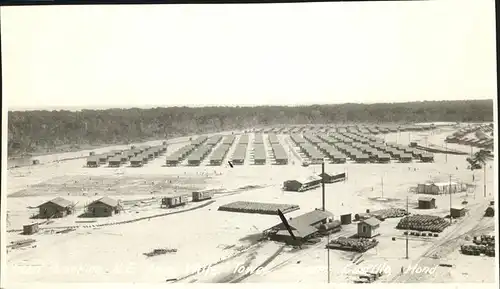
[[114, 250]]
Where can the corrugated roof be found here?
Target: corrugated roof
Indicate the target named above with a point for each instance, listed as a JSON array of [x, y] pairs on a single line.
[[61, 202], [309, 218], [371, 222], [107, 201]]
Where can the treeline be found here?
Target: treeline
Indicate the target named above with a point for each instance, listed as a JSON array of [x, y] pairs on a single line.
[[42, 131]]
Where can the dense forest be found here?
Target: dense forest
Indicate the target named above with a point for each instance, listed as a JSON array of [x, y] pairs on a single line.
[[44, 131]]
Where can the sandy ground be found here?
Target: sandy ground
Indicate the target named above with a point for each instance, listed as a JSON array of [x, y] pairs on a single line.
[[114, 251]]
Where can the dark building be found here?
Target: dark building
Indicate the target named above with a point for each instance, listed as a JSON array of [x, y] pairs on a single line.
[[104, 207], [302, 185], [426, 203], [332, 178], [30, 229], [490, 212], [174, 201], [346, 219], [202, 195], [56, 208], [457, 212], [303, 227]]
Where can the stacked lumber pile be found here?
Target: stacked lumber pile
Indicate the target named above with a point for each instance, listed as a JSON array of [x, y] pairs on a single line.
[[258, 208], [352, 244], [423, 223]]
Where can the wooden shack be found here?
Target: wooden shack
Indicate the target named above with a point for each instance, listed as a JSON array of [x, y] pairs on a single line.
[[457, 212], [30, 229], [368, 228], [426, 203], [103, 207], [174, 201], [202, 195], [55, 208]]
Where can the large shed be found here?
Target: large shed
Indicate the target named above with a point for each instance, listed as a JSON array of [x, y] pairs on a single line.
[[302, 184], [437, 188], [103, 207], [56, 208], [303, 226], [332, 178]]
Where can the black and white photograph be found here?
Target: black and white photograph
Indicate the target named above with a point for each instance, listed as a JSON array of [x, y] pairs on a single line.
[[333, 142]]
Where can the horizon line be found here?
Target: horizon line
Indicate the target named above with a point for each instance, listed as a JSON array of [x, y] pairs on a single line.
[[108, 107]]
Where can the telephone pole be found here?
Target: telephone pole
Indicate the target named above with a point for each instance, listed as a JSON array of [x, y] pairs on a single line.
[[449, 191], [407, 228], [484, 181], [328, 235], [382, 178]]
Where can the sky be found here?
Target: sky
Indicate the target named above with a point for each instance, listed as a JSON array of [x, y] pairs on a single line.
[[254, 54]]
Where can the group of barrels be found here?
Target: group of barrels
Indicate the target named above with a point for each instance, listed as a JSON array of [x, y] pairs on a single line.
[[477, 250], [423, 223], [352, 244]]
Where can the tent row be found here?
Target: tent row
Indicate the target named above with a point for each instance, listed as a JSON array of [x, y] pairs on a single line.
[[195, 158], [312, 138], [297, 139], [258, 139], [178, 156], [219, 154], [273, 139], [259, 156], [240, 153], [279, 153], [148, 154], [116, 158], [214, 140], [199, 140], [311, 152], [229, 140]]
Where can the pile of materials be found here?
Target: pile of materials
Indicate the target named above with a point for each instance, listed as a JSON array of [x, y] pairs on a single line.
[[388, 213], [352, 244], [258, 208], [485, 244], [157, 252], [423, 223]]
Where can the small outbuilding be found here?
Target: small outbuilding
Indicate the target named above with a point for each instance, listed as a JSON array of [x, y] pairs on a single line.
[[457, 212], [426, 203], [302, 185], [30, 229], [55, 208], [368, 228], [103, 207], [174, 201]]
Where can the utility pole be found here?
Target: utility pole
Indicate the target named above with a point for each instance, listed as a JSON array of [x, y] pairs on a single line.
[[449, 190], [407, 227], [323, 183], [328, 235], [484, 181], [382, 178], [446, 154]]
